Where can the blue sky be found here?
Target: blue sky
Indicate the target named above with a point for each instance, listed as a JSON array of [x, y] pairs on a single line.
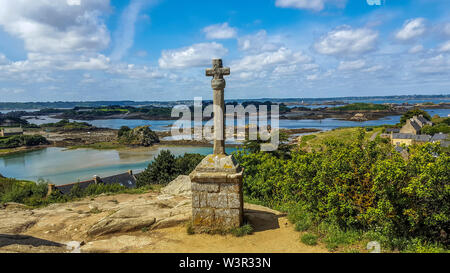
[[158, 49]]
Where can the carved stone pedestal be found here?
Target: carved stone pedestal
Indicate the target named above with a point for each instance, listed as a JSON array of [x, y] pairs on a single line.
[[217, 199]]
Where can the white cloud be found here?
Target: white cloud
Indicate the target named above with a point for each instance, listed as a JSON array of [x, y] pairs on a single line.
[[352, 65], [445, 47], [411, 29], [416, 49], [434, 65], [138, 72], [374, 68], [192, 56], [3, 59], [347, 41], [259, 42], [446, 29], [220, 31], [315, 5], [56, 26], [269, 60], [73, 2], [312, 77]]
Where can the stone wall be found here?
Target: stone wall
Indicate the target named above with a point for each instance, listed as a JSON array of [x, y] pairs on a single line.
[[217, 198]]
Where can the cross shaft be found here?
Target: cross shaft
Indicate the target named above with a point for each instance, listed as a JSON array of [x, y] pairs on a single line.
[[218, 86]]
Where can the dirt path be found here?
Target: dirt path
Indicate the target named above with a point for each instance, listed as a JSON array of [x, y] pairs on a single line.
[[280, 240]]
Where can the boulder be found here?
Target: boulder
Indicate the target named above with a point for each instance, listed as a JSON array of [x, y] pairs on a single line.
[[151, 215], [180, 186], [359, 117]]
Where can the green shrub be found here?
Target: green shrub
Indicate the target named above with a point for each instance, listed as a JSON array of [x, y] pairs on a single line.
[[167, 167], [22, 140], [309, 239], [123, 131], [414, 112], [436, 129], [357, 187]]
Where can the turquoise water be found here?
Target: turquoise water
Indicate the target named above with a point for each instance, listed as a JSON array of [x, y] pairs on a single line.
[[325, 124], [65, 166], [61, 166]]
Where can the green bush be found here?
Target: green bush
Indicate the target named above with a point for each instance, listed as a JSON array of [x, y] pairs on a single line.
[[414, 112], [364, 186], [167, 167], [22, 140], [123, 131], [436, 129]]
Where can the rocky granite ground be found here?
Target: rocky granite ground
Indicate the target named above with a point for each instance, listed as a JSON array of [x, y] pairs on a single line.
[[151, 222]]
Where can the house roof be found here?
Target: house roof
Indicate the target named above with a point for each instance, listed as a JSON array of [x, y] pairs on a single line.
[[393, 130], [423, 120], [415, 125], [125, 179], [439, 137], [411, 136]]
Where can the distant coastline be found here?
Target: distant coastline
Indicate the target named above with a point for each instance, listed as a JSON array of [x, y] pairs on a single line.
[[72, 104]]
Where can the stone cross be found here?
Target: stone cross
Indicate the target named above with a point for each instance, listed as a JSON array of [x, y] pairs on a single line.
[[216, 182], [218, 86]]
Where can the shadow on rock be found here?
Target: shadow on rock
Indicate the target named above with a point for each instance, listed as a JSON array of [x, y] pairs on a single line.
[[12, 239]]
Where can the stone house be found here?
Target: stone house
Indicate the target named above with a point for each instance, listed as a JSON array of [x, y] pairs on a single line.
[[5, 132], [409, 139], [414, 125]]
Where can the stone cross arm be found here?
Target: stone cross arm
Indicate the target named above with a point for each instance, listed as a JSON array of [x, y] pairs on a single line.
[[218, 71]]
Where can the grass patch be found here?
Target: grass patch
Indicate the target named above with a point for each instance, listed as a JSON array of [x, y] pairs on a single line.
[[362, 106], [309, 239], [336, 237], [246, 229], [189, 228], [99, 146]]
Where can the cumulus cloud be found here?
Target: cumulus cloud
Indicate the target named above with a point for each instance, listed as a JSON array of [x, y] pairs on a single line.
[[192, 56], [411, 29], [416, 49], [434, 65], [3, 59], [315, 5], [259, 42], [445, 47], [352, 65], [56, 26], [280, 62], [347, 41], [439, 64], [446, 29], [220, 31]]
